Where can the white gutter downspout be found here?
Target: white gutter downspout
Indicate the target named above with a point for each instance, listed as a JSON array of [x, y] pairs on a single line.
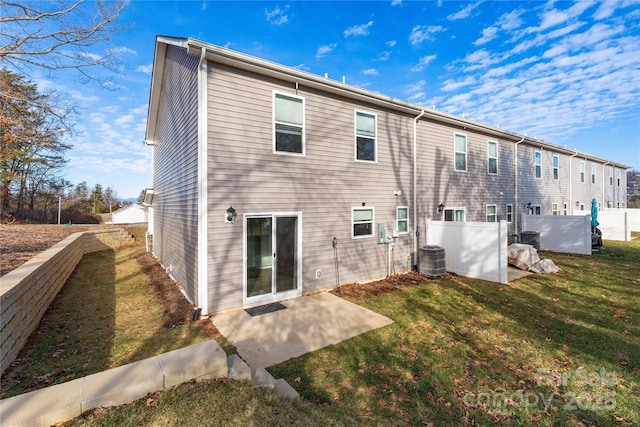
[[515, 197], [571, 183], [603, 172], [415, 186], [203, 303]]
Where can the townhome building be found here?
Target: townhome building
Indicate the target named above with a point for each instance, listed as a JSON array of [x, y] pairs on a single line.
[[270, 182]]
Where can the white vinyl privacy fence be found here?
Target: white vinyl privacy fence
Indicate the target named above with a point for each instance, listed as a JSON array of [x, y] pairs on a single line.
[[616, 224], [472, 249], [561, 233]]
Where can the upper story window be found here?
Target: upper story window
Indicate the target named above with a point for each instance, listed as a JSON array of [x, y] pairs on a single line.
[[402, 219], [365, 136], [556, 167], [362, 222], [554, 209], [492, 157], [460, 149], [509, 212], [610, 175], [619, 174], [593, 173], [492, 215], [537, 156], [582, 171], [288, 129]]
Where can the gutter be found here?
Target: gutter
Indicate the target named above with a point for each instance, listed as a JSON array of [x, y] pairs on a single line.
[[515, 194], [416, 234], [203, 303], [570, 183]]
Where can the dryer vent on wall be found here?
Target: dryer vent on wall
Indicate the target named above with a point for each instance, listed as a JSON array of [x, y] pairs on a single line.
[[432, 261]]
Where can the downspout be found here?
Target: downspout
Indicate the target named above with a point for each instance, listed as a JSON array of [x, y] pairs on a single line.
[[203, 303], [416, 234], [571, 183], [603, 172], [515, 197]]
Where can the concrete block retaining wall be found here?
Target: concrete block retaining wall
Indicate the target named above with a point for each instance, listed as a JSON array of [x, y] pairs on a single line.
[[27, 291]]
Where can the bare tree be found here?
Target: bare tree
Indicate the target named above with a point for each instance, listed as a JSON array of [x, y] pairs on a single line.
[[58, 34]]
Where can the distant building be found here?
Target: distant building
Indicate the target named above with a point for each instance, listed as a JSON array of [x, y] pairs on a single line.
[[131, 214]]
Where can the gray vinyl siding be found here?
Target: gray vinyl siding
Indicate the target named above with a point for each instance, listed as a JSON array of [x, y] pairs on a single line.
[[439, 183], [324, 185], [175, 171]]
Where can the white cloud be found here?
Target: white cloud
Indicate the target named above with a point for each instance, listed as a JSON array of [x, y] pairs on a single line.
[[147, 69], [276, 16], [204, 5], [370, 72], [451, 85], [391, 43], [464, 12], [384, 56], [358, 30], [323, 50], [510, 21], [488, 34], [421, 33], [396, 2], [423, 63]]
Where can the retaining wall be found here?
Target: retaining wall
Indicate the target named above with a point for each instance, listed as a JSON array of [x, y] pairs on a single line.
[[27, 291]]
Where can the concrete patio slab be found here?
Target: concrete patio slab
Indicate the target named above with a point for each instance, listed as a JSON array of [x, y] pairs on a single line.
[[308, 323]]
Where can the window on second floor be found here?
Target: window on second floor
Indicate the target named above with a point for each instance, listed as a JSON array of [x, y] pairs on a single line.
[[582, 171], [492, 215], [611, 175], [460, 149], [554, 209], [288, 126], [593, 173], [537, 156], [619, 174], [509, 212], [492, 157], [365, 137], [556, 167]]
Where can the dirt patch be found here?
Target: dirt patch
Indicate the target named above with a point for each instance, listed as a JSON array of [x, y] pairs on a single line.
[[388, 284], [21, 242], [176, 310]]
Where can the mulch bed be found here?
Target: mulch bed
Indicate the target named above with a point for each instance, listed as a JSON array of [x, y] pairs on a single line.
[[379, 287]]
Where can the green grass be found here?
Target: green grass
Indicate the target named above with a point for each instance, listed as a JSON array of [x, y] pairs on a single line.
[[461, 351], [106, 315]]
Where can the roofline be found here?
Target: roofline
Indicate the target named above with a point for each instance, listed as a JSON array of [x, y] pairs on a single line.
[[298, 77]]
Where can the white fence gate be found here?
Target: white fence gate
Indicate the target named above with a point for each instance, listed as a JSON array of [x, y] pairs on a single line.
[[472, 249]]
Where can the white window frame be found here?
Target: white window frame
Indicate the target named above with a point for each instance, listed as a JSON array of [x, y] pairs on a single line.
[[489, 157], [619, 175], [554, 209], [556, 167], [455, 209], [375, 136], [581, 206], [456, 152], [537, 164], [509, 210], [582, 171], [398, 220], [494, 214], [373, 221], [593, 173], [536, 210], [565, 206], [275, 123]]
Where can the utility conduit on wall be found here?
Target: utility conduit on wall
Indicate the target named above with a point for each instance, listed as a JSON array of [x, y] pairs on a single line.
[[27, 291]]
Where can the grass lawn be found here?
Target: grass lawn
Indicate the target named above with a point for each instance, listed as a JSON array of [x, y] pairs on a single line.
[[549, 350], [107, 315]]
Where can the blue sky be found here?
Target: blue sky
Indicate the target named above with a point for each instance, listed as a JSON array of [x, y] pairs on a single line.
[[565, 72]]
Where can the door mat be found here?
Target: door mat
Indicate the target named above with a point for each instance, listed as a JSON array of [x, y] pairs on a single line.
[[264, 309]]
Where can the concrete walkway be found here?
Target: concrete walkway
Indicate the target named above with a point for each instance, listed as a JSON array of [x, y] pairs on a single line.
[[308, 323], [515, 273]]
